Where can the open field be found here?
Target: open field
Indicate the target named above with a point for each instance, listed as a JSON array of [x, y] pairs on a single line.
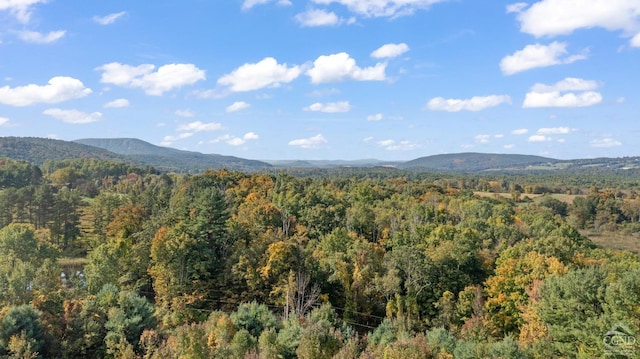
[[71, 265], [615, 240], [567, 198]]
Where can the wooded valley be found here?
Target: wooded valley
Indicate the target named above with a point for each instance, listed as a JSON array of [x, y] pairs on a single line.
[[101, 259]]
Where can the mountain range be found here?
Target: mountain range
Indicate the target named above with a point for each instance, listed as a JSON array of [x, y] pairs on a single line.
[[141, 153], [171, 159]]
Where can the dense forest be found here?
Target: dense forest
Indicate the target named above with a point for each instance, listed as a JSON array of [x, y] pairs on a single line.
[[103, 259]]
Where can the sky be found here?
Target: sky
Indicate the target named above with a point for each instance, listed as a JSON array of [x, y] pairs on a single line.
[[327, 79]]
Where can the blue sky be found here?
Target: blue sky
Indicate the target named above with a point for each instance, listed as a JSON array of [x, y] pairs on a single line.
[[327, 79]]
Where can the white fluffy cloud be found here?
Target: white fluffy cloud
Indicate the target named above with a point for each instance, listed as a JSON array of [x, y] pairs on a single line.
[[330, 107], [476, 103], [248, 4], [21, 9], [568, 84], [223, 138], [543, 134], [520, 131], [517, 7], [198, 126], [73, 116], [109, 19], [376, 117], [238, 141], [58, 89], [340, 66], [381, 8], [559, 95], [237, 106], [539, 138], [185, 113], [390, 50], [168, 140], [156, 83], [318, 17], [554, 131], [119, 103], [635, 41], [324, 92], [311, 142], [562, 17], [266, 73], [392, 145], [4, 122], [537, 55], [209, 94], [482, 138], [35, 37], [605, 143]]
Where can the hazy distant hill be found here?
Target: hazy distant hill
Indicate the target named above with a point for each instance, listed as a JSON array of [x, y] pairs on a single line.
[[141, 153], [37, 150], [471, 161], [328, 163], [126, 146], [165, 158]]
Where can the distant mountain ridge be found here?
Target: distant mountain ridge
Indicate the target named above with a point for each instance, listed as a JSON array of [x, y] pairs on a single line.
[[474, 161], [126, 146], [329, 163], [128, 150], [37, 150], [165, 158], [140, 153]]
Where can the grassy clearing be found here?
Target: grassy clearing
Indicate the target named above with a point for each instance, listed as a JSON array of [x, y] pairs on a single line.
[[609, 240], [615, 240], [567, 198], [73, 264]]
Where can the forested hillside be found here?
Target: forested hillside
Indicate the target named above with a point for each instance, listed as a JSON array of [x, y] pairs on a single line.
[[477, 162], [165, 159], [125, 150], [37, 150], [106, 260], [171, 159]]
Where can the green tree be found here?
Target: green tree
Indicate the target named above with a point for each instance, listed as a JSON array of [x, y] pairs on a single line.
[[319, 340], [18, 173], [253, 317], [286, 197], [322, 209], [43, 202], [415, 347], [21, 321], [187, 254], [65, 218], [353, 263], [572, 307], [109, 322], [127, 320], [508, 289], [20, 273], [556, 206], [103, 209], [123, 258], [583, 210]]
